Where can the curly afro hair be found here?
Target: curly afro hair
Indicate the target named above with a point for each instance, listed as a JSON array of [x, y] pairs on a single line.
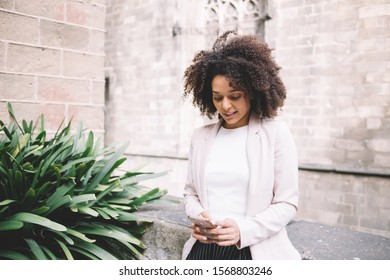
[[248, 65]]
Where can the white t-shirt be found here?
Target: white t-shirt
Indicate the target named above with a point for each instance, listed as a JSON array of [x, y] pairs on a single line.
[[227, 174]]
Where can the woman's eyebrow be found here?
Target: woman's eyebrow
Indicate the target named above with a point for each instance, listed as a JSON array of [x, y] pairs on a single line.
[[230, 91]]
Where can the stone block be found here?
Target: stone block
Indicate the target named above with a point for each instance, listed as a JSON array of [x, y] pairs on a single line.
[[379, 145], [350, 144], [98, 93], [96, 41], [63, 90], [82, 65], [354, 199], [6, 4], [382, 160], [53, 9], [33, 60], [19, 28], [60, 35], [85, 14], [374, 10], [350, 220], [17, 87], [2, 55], [380, 224]]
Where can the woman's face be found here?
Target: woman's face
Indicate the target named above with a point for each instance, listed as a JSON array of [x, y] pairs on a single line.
[[232, 104]]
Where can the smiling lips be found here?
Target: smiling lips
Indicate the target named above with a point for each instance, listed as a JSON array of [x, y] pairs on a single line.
[[228, 115]]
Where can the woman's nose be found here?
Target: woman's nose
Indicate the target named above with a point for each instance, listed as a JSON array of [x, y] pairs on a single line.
[[225, 104]]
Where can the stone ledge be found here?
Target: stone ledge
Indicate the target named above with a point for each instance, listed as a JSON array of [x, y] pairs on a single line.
[[166, 236]]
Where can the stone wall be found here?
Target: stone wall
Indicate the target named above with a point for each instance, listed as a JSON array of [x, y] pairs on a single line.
[[336, 66], [52, 61], [350, 201], [335, 58]]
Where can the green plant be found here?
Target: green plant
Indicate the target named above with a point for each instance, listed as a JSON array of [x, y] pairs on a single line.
[[62, 198]]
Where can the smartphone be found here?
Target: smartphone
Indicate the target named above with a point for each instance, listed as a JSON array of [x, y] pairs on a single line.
[[204, 223]]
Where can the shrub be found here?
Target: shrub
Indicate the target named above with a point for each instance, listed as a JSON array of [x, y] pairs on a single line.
[[65, 197]]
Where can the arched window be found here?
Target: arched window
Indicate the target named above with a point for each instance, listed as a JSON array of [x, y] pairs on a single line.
[[244, 16]]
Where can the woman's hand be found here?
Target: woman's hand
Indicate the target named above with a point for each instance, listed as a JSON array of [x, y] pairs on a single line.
[[226, 232], [198, 232]]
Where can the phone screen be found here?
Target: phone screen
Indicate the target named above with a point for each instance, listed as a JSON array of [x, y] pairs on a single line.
[[204, 223]]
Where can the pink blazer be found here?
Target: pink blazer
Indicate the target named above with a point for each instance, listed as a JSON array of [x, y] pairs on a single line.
[[273, 187]]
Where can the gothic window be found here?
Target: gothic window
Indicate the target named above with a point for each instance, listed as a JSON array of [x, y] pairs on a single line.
[[246, 16]]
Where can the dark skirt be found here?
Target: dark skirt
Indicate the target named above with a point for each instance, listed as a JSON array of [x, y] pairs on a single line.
[[201, 251]]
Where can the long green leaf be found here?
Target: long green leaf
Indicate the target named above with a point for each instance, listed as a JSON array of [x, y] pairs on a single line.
[[35, 219], [42, 190], [36, 249], [53, 158], [83, 198], [111, 233], [49, 253], [11, 113], [88, 211], [58, 194], [75, 162], [6, 131], [95, 250], [103, 214], [65, 249], [106, 168], [79, 235], [135, 252], [147, 196], [142, 177], [13, 255], [103, 193], [121, 207], [30, 194], [10, 225], [84, 252], [131, 217], [6, 202], [37, 173], [40, 211], [109, 176], [64, 236], [111, 212], [66, 200], [22, 142]]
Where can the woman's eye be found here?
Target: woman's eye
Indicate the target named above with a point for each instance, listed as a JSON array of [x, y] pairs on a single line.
[[217, 98], [235, 97]]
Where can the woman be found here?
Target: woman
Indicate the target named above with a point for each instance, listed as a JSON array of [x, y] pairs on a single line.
[[242, 172]]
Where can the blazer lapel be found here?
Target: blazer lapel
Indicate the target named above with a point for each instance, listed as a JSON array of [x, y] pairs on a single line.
[[207, 144], [253, 147]]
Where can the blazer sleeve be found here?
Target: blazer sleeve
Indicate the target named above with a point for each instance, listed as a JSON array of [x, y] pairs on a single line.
[[192, 203], [284, 204]]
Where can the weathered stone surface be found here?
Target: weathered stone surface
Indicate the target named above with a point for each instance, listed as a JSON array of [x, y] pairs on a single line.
[[166, 236]]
